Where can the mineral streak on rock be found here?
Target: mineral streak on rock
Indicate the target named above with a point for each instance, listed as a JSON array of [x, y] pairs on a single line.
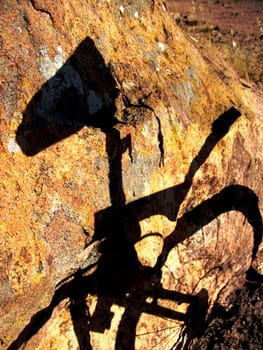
[[115, 129]]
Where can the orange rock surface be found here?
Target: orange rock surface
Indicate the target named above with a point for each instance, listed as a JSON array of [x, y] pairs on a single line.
[[115, 129]]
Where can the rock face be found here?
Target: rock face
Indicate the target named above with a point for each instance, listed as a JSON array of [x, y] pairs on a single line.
[[119, 136], [239, 327]]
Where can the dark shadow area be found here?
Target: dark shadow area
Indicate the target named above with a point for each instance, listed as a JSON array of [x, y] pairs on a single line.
[[88, 99], [235, 197], [77, 290], [81, 93], [237, 327]]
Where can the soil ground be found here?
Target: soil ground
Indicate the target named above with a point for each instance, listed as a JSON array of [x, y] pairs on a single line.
[[230, 29]]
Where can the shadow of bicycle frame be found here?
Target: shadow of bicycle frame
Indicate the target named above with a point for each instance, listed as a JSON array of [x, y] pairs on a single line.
[[120, 278]]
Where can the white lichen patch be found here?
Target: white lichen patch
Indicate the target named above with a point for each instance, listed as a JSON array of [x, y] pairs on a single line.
[[121, 9], [58, 59], [161, 46], [12, 146], [48, 67], [128, 85]]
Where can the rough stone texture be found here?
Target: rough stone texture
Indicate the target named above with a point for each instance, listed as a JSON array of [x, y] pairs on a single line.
[[114, 126], [238, 327]]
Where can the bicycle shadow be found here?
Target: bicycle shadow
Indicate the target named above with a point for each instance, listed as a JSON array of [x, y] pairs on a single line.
[[122, 229], [83, 93]]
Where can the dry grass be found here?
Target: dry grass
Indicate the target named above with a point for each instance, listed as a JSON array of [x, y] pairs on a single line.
[[241, 49]]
